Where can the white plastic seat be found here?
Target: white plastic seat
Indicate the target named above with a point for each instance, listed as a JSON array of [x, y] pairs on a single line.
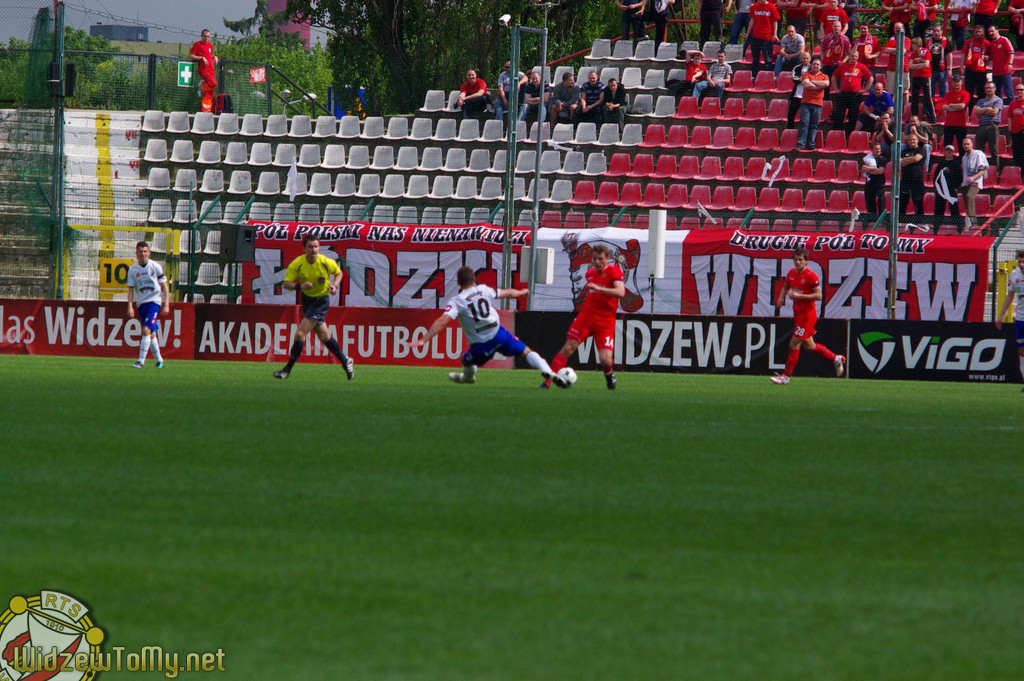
[[326, 126], [572, 164], [335, 213], [645, 50], [373, 128], [665, 106], [479, 214], [213, 181], [408, 158], [160, 211], [158, 244], [453, 98], [185, 212], [597, 163], [542, 192], [235, 154], [189, 241], [231, 212], [358, 157], [277, 126], [422, 129], [494, 131], [561, 191], [177, 123], [559, 72], [156, 150], [584, 71], [600, 49], [383, 158], [609, 72], [491, 189], [526, 160], [479, 161], [227, 124], [562, 134], [153, 121], [309, 212], [550, 162], [666, 52], [466, 189], [260, 211], [356, 210], [469, 130], [419, 187], [443, 188], [219, 298], [498, 162], [214, 212], [654, 79], [344, 185], [185, 180], [407, 215], [369, 186], [334, 157], [260, 154], [608, 136], [433, 101], [320, 185], [398, 128], [384, 214], [631, 78], [632, 135], [284, 155], [394, 187], [430, 160], [645, 103], [455, 215], [269, 184], [432, 215], [349, 127], [159, 179], [446, 129], [209, 152], [252, 125], [212, 242], [525, 218], [301, 126], [284, 212], [586, 133], [309, 156], [455, 160], [182, 152], [203, 123], [545, 133], [301, 185]]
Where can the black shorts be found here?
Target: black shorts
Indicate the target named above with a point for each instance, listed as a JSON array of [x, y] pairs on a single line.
[[315, 309]]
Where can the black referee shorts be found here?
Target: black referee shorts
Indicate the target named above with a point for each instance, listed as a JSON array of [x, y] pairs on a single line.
[[315, 309]]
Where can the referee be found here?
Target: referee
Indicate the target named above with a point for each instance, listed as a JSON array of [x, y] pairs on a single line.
[[317, 276]]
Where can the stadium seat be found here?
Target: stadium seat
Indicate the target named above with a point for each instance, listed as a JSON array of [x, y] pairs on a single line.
[[654, 79], [430, 160], [608, 136], [182, 151], [814, 202], [301, 185], [373, 128], [699, 194], [746, 198], [767, 140], [153, 121], [835, 142], [782, 225], [159, 179], [710, 109], [319, 185], [213, 181], [432, 215], [722, 199], [607, 194], [631, 195], [326, 126], [1002, 207], [252, 125], [689, 223], [643, 166], [848, 174], [156, 150], [632, 135], [479, 161], [700, 138], [445, 131], [177, 123], [732, 170], [768, 199], [562, 134], [442, 188], [469, 130], [665, 168], [677, 137], [722, 140], [688, 168], [824, 170], [806, 225], [227, 124], [1010, 178], [561, 191], [185, 180], [677, 196], [490, 189], [418, 187], [526, 161], [859, 143], [241, 182], [710, 169], [302, 126], [745, 140], [551, 219], [160, 211], [654, 196], [763, 83], [838, 201], [349, 127], [277, 126], [742, 81], [755, 112], [334, 157], [573, 163], [494, 131], [792, 201], [584, 193], [586, 133], [359, 157], [597, 164], [597, 220], [733, 109], [261, 211], [309, 156], [284, 155], [575, 220], [550, 161], [983, 204], [788, 140], [394, 186], [261, 154], [369, 186], [454, 160], [477, 214], [641, 221], [687, 108], [422, 129], [185, 214], [654, 136], [754, 167], [666, 52], [398, 128], [498, 162]]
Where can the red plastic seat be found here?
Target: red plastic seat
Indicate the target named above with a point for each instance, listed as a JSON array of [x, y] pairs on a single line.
[[700, 138], [722, 199], [787, 143], [733, 110], [768, 199], [835, 142], [784, 85], [742, 81], [574, 219], [625, 221], [551, 218], [701, 194], [848, 174], [764, 83], [755, 111], [778, 110], [783, 225], [666, 167], [687, 108], [654, 196], [722, 139], [597, 220], [824, 170], [710, 169], [710, 109], [734, 223], [983, 204], [631, 195], [690, 223], [641, 221], [859, 202], [754, 168], [830, 226], [759, 225], [643, 166], [618, 166], [583, 194], [929, 203], [746, 198], [745, 140], [792, 201], [991, 177], [607, 194], [654, 136], [767, 140], [783, 172], [806, 226], [826, 110], [1010, 178], [732, 171], [687, 168], [1002, 207], [814, 202], [676, 196], [838, 201], [677, 137], [801, 171], [858, 143]]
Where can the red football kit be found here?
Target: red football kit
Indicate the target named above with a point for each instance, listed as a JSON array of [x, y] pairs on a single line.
[[597, 318], [805, 314]]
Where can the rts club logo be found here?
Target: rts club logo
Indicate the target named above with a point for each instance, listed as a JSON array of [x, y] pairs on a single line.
[[882, 343], [42, 638]]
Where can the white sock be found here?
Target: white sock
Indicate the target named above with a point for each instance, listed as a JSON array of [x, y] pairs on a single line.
[[143, 349], [154, 345], [469, 371], [538, 363], [1022, 366]]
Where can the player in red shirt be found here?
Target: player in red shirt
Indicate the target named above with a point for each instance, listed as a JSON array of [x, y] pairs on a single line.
[[804, 288], [1015, 113], [202, 54], [597, 318]]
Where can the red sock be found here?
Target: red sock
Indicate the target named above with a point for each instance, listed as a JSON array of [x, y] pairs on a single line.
[[610, 370], [557, 363], [820, 349], [794, 357]]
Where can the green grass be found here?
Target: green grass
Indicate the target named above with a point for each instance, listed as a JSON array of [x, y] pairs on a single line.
[[401, 527]]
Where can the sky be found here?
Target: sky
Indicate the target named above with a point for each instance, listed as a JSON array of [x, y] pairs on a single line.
[[169, 20]]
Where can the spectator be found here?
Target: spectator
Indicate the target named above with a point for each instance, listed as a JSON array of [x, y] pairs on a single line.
[[719, 76], [1016, 11], [830, 13], [975, 167], [975, 51], [202, 54], [850, 81], [921, 79], [1001, 53], [632, 18], [473, 98], [949, 175], [792, 45], [796, 96], [990, 113], [883, 133], [890, 71], [1015, 114], [591, 99], [815, 83], [850, 7], [710, 12], [505, 90], [658, 13], [615, 104], [955, 103], [696, 72], [741, 19], [912, 177], [764, 23], [868, 47], [876, 103], [959, 20], [899, 13], [925, 136], [942, 61], [985, 12], [565, 98], [834, 49], [873, 167], [925, 17], [797, 12], [532, 98]]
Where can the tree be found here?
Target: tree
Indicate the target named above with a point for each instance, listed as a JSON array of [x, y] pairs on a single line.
[[264, 24]]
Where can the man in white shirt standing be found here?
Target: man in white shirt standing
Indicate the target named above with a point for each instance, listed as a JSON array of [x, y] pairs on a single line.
[[1015, 292], [148, 298], [474, 307], [975, 167]]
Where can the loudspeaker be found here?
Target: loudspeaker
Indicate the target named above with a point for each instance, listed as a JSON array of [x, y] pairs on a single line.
[[70, 78], [545, 265], [656, 245], [238, 242], [53, 79]]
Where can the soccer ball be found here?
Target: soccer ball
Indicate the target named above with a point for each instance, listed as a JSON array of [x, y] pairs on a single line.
[[568, 375]]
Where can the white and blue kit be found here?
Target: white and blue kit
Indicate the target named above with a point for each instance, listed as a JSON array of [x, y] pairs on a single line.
[[474, 307], [1015, 287], [144, 282]]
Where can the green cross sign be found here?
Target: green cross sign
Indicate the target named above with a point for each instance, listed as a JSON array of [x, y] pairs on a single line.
[[186, 70]]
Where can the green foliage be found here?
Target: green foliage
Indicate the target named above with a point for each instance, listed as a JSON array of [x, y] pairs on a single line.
[[309, 70], [264, 24], [76, 39]]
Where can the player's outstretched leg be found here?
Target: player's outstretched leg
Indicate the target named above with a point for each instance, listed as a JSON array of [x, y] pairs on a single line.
[[467, 375], [838, 361], [548, 372]]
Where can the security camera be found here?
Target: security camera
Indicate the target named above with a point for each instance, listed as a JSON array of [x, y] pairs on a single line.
[[505, 20], [286, 93], [311, 96]]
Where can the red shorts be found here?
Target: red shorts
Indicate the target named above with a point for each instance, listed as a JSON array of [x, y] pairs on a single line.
[[805, 324], [603, 331]]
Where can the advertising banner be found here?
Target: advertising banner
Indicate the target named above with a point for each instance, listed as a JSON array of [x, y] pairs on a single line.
[[933, 351], [734, 272], [88, 328], [689, 344]]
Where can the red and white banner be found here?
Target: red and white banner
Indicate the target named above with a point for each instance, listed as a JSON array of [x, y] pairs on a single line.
[[258, 75], [89, 328], [738, 273]]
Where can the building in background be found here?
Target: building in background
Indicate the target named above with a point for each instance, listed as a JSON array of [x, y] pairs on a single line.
[[125, 33]]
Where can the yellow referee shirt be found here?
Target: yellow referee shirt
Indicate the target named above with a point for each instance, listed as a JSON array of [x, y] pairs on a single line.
[[318, 273]]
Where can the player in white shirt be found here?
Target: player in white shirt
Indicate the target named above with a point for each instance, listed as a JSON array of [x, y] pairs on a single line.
[[150, 296], [1015, 291], [475, 309]]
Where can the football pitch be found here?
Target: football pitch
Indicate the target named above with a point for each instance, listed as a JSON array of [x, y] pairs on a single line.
[[402, 527]]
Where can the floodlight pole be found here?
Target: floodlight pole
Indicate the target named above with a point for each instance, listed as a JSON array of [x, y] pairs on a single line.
[[897, 172], [543, 32], [58, 209], [512, 122]]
